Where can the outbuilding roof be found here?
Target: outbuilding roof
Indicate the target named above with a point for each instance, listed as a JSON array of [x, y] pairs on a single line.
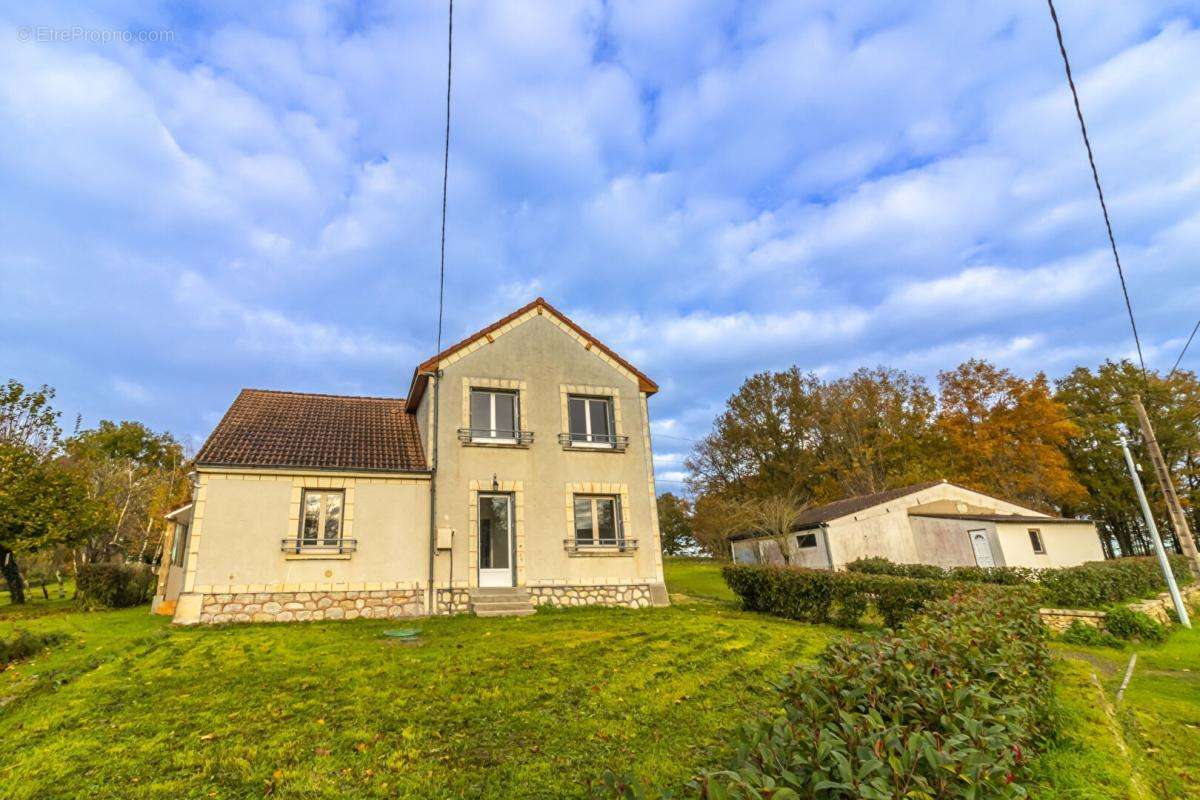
[[817, 515], [265, 428], [1024, 518]]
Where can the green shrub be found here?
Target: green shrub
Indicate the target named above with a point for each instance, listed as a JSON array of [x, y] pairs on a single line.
[[1005, 576], [1125, 623], [821, 596], [1099, 583], [104, 585], [946, 709], [1087, 635], [23, 644], [1002, 576], [1091, 585]]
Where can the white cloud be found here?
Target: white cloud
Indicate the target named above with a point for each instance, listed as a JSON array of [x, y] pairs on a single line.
[[713, 188]]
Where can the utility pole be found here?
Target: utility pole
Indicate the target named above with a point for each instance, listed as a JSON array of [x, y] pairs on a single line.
[[1174, 509], [1159, 550]]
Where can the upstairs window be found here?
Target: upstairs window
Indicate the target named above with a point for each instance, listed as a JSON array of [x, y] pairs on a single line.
[[590, 421], [494, 415], [322, 520], [1035, 539], [597, 519]]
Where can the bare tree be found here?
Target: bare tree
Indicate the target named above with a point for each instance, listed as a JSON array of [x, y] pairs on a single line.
[[774, 516]]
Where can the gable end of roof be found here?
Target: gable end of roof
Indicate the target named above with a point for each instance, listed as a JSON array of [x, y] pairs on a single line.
[[421, 374]]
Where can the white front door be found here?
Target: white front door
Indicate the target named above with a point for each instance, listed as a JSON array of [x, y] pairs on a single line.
[[495, 540], [983, 550]]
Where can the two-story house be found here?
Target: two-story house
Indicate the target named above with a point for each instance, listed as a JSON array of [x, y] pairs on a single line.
[[517, 472]]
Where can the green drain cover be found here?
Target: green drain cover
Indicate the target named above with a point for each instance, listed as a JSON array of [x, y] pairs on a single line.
[[403, 633]]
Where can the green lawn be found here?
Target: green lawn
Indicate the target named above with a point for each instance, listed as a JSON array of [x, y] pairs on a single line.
[[36, 601], [697, 577], [535, 707], [532, 707], [1149, 745]]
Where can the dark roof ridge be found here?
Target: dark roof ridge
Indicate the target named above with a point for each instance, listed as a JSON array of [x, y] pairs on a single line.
[[324, 394]]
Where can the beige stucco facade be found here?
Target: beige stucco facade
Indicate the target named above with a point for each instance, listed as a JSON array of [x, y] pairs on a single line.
[[543, 361], [921, 528], [236, 568]]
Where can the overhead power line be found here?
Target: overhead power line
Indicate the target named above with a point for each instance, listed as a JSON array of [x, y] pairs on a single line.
[[445, 178], [1062, 48], [1185, 349]]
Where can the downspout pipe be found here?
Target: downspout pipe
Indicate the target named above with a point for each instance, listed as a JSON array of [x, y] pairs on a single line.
[[435, 376], [828, 550]]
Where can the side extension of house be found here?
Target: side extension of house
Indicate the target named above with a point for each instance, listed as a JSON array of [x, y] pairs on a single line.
[[311, 506]]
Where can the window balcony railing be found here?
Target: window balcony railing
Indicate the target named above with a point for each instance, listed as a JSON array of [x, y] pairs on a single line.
[[594, 441], [320, 546], [495, 437], [599, 545]]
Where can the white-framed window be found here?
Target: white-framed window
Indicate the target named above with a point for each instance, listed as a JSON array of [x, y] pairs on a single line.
[[321, 517], [179, 546], [495, 415], [590, 421], [1035, 539], [598, 519], [806, 541]]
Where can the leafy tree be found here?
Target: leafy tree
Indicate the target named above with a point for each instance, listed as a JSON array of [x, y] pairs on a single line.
[[1098, 402], [675, 524], [791, 434], [1005, 435], [876, 432], [710, 523], [765, 442], [27, 419], [39, 500], [132, 476]]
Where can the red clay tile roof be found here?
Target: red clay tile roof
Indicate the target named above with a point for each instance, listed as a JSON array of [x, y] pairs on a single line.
[[420, 380], [316, 431]]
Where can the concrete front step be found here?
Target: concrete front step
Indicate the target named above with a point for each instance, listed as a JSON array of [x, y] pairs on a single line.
[[501, 601], [488, 611], [499, 591]]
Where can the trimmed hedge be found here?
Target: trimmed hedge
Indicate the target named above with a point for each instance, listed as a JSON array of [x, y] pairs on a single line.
[[822, 596], [1091, 585], [106, 585], [1004, 576], [1098, 583], [946, 709]]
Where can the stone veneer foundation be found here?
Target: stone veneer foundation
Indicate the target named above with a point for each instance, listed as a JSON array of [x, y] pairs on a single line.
[[298, 606], [633, 596]]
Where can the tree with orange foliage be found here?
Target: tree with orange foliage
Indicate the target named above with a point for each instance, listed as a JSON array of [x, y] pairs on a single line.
[[1005, 435]]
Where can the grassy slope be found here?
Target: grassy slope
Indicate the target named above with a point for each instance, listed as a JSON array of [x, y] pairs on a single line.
[[36, 603], [530, 707], [698, 577], [1147, 748], [1158, 720]]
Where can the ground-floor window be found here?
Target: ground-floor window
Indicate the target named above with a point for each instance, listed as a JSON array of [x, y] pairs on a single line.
[[597, 519], [179, 546], [1035, 539], [805, 541], [322, 520]]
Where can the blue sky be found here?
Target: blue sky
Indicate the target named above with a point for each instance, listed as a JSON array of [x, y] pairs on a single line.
[[713, 188]]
